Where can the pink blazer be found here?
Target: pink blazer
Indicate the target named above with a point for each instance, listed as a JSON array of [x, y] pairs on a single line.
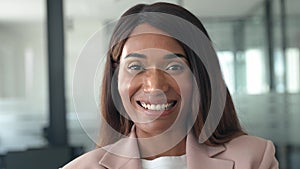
[[243, 152]]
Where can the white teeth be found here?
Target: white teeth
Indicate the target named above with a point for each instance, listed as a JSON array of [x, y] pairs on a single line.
[[152, 107], [157, 106]]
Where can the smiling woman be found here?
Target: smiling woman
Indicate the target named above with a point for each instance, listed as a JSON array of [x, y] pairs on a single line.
[[151, 66], [164, 103]]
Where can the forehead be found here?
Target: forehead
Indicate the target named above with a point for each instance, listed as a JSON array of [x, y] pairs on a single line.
[[146, 38]]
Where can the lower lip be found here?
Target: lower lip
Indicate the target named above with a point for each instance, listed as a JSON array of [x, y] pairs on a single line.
[[160, 113]]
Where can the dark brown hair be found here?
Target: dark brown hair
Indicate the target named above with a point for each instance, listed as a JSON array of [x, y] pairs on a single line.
[[228, 127]]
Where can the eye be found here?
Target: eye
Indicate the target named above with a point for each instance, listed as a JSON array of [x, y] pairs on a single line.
[[175, 67], [135, 66]]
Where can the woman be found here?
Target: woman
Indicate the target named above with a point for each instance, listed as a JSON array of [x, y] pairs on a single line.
[[164, 103]]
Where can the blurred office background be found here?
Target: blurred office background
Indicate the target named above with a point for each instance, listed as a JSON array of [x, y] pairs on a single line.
[[258, 45]]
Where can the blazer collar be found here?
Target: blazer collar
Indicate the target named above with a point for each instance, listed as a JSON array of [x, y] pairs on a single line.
[[203, 156], [118, 154], [199, 156]]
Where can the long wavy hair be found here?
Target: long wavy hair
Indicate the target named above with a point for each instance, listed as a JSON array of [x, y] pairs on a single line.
[[228, 127]]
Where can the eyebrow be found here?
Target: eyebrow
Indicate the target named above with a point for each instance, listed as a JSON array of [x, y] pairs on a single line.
[[174, 55], [167, 56], [137, 55]]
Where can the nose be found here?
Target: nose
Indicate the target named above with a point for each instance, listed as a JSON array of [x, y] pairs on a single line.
[[154, 80]]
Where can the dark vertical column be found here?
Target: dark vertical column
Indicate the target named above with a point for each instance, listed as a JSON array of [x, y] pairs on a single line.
[[57, 132], [270, 42], [286, 158], [238, 35], [284, 38]]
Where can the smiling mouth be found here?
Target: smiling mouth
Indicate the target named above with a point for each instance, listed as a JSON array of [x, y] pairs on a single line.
[[157, 107]]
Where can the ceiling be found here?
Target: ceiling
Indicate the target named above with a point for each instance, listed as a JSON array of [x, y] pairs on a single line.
[[34, 10]]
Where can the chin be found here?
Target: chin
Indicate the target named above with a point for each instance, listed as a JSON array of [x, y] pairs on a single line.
[[155, 127]]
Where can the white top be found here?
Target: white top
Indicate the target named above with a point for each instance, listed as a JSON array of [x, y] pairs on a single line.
[[165, 162]]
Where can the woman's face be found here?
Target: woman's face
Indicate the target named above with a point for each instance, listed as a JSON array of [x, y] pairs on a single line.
[[154, 80]]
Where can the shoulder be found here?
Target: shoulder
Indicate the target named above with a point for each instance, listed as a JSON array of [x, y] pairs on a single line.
[[256, 151], [245, 142], [89, 160]]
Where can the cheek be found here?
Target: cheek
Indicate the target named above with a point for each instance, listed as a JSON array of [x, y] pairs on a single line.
[[127, 85], [123, 89], [123, 86], [185, 90], [134, 85], [184, 85]]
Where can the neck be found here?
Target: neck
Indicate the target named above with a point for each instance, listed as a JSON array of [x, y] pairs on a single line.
[[161, 145], [178, 150]]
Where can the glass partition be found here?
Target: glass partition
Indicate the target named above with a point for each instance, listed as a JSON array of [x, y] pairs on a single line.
[[23, 75]]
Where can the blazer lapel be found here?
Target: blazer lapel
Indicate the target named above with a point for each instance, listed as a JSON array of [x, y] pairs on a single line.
[[201, 156], [119, 155]]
